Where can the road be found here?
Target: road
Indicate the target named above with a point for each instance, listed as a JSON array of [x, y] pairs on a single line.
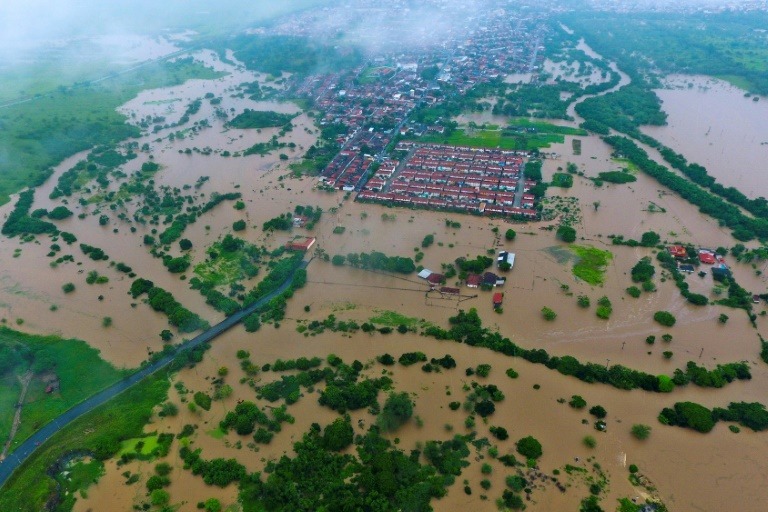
[[27, 448]]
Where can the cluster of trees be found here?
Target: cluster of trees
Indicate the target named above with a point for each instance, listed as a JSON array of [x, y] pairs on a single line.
[[476, 266], [161, 300], [220, 472], [466, 327], [246, 415], [19, 222], [99, 163], [380, 477], [377, 261], [624, 110], [259, 119], [648, 239], [217, 198], [283, 222], [95, 253], [643, 270], [281, 271], [619, 177], [744, 227]]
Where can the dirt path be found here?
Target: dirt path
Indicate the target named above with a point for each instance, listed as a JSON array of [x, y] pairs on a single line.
[[25, 380]]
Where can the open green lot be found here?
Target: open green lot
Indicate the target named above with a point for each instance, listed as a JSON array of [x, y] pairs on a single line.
[[100, 431], [520, 134], [78, 369]]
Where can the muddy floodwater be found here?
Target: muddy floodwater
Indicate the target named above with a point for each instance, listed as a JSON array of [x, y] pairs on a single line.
[[714, 124], [691, 471]]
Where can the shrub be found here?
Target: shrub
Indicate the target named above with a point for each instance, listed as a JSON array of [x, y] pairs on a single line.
[[598, 411], [511, 373], [548, 314], [499, 433], [641, 431], [589, 441], [68, 288], [633, 291], [566, 234], [665, 318], [238, 225], [583, 301], [577, 402], [203, 400], [529, 447]]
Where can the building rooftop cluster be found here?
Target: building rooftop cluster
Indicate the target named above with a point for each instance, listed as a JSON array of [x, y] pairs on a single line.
[[407, 64], [462, 179]]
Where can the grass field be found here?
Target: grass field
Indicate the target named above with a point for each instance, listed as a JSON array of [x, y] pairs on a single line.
[[129, 445], [520, 134], [10, 388], [591, 265], [79, 368], [38, 134], [100, 431]]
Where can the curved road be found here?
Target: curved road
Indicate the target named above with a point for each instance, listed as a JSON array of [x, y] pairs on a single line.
[[15, 459]]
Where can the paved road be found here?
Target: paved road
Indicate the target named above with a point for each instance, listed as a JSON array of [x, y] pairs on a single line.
[[15, 459]]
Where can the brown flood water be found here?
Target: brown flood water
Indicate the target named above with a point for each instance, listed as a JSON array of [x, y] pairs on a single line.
[[721, 471], [713, 124]]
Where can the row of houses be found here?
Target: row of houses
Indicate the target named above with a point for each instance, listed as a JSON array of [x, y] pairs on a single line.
[[459, 206]]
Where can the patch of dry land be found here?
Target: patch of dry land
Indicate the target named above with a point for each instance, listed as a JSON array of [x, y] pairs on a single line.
[[682, 468]]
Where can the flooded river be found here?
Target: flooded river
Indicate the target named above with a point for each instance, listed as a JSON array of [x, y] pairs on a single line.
[[714, 124]]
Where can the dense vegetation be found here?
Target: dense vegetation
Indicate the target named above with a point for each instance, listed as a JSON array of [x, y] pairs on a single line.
[[466, 327], [161, 300], [697, 417], [378, 261], [41, 133], [729, 45], [259, 119]]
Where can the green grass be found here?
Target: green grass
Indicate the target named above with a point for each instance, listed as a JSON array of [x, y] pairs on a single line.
[[10, 388], [129, 445], [101, 431], [591, 265], [80, 370], [515, 137], [226, 269], [81, 475], [393, 319], [216, 433], [39, 134], [545, 127]]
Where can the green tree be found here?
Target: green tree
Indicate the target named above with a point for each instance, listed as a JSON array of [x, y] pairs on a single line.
[[396, 411], [566, 233], [338, 435], [529, 447], [510, 235], [598, 411], [665, 318]]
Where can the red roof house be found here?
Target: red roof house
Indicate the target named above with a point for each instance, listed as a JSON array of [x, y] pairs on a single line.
[[301, 244]]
